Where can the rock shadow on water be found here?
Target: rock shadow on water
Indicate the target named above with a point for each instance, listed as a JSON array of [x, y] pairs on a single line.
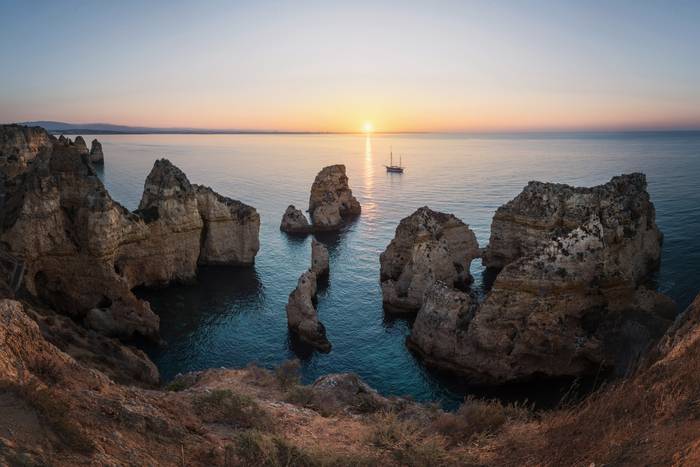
[[217, 292]]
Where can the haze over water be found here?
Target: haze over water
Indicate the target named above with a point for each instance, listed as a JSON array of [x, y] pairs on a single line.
[[236, 316]]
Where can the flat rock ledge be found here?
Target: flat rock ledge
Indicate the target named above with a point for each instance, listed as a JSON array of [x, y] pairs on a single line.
[[428, 247]]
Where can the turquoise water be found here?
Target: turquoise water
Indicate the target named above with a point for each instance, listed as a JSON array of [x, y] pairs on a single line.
[[236, 316]]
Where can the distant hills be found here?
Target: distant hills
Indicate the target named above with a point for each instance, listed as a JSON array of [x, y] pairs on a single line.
[[108, 129]]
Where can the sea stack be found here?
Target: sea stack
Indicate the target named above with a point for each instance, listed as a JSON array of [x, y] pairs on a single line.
[[428, 247], [96, 154], [331, 200], [570, 299], [302, 317], [294, 222], [319, 258]]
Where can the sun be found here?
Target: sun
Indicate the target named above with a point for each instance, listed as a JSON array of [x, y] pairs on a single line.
[[367, 127]]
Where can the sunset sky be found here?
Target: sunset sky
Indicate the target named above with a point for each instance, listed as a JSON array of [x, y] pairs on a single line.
[[327, 66]]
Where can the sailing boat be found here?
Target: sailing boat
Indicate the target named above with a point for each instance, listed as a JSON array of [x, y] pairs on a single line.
[[394, 168]]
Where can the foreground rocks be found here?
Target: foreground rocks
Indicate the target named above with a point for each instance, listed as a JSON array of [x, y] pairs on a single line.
[[428, 247], [84, 252], [331, 201], [570, 299]]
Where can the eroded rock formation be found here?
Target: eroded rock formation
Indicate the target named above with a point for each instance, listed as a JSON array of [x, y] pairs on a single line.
[[84, 252], [570, 298], [302, 317], [96, 154], [428, 246], [294, 222], [331, 200]]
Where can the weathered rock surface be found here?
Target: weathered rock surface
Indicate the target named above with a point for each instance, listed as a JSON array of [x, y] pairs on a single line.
[[19, 146], [231, 229], [294, 222], [546, 211], [96, 154], [319, 258], [567, 306], [331, 200], [302, 317], [428, 246]]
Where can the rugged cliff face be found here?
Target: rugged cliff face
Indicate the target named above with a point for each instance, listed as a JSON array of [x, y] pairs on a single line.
[[84, 252], [331, 200], [428, 246], [19, 146], [231, 229], [569, 300]]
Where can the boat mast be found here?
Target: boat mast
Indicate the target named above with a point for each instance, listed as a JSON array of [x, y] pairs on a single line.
[[391, 155]]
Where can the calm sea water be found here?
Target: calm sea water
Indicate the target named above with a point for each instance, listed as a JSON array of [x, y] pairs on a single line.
[[236, 316]]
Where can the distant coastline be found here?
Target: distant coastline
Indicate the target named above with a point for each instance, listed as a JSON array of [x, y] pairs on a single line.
[[65, 128]]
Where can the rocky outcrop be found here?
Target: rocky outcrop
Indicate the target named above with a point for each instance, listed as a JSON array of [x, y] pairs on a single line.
[[231, 229], [565, 306], [96, 154], [428, 247], [83, 252], [319, 258], [294, 222], [19, 147], [302, 317], [331, 200]]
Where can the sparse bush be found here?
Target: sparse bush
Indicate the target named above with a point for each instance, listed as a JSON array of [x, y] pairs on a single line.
[[287, 374], [476, 417], [407, 441], [239, 410], [180, 383], [47, 370], [306, 396]]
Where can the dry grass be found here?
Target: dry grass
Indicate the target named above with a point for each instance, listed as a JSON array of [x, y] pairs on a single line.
[[288, 374], [253, 447], [238, 410], [53, 408], [476, 417]]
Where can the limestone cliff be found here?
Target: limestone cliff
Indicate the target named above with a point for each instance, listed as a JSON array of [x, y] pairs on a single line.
[[569, 300]]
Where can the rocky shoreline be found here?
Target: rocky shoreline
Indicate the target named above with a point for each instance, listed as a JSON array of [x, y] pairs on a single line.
[[570, 298]]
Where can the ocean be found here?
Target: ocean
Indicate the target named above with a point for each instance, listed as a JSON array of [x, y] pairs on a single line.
[[234, 316]]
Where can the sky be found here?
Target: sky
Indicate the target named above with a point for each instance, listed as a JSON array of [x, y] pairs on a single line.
[[332, 65]]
